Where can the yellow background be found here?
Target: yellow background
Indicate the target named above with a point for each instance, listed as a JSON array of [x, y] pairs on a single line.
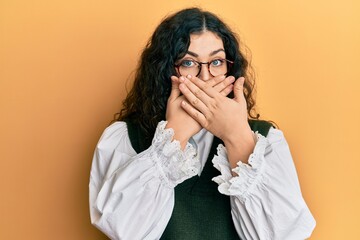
[[63, 68]]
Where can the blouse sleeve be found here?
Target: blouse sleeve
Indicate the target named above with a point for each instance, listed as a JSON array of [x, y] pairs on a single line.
[[132, 195], [266, 199]]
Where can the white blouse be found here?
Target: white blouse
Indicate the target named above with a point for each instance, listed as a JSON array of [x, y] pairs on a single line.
[[132, 195]]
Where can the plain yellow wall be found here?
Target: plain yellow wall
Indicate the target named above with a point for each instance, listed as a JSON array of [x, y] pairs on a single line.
[[63, 68]]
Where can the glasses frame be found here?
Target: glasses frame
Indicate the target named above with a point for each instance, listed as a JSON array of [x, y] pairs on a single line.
[[229, 64]]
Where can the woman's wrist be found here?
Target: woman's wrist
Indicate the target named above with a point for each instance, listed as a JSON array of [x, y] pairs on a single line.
[[239, 147], [178, 136]]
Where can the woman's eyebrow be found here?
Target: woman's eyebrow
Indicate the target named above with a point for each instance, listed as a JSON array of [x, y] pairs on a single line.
[[211, 54], [192, 54], [216, 51]]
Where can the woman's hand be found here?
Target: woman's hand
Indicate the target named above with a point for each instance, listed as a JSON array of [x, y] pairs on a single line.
[[185, 126], [224, 117]]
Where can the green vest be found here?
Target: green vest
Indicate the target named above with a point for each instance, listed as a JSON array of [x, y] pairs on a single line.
[[200, 211]]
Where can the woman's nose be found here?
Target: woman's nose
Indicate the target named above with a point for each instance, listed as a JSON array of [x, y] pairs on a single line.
[[204, 73]]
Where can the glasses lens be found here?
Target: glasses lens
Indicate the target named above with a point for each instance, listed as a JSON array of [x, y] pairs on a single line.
[[189, 68], [218, 67]]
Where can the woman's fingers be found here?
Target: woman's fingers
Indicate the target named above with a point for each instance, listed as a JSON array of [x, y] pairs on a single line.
[[218, 84], [227, 90], [239, 89], [194, 113], [202, 94], [194, 96], [222, 85], [205, 86], [175, 92], [195, 90], [211, 82]]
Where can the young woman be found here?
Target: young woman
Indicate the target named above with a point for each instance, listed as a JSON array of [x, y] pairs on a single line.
[[188, 157]]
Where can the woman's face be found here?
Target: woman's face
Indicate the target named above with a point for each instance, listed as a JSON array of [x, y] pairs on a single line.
[[205, 47]]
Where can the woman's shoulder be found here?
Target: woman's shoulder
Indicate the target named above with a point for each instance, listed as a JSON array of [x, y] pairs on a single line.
[[260, 126], [268, 129], [116, 137], [114, 131], [275, 135]]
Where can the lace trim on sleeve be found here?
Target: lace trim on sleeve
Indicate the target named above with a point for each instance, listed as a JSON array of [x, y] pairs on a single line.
[[175, 165], [249, 175]]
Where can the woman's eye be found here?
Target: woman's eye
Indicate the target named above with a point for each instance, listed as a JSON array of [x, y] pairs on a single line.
[[187, 63], [217, 62]]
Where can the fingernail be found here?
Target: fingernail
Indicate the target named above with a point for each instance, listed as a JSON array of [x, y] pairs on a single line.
[[183, 103], [232, 79], [189, 76], [182, 79]]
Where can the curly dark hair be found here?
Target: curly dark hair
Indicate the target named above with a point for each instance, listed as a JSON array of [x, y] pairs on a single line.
[[146, 102]]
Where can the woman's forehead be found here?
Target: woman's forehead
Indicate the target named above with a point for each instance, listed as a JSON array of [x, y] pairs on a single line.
[[205, 43]]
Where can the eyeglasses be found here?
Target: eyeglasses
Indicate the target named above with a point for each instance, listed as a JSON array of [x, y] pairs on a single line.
[[216, 67]]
